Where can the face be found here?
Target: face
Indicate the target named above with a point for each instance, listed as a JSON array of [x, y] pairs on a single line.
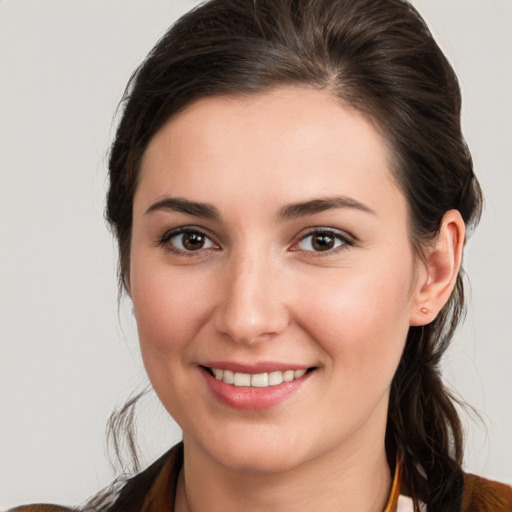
[[272, 277]]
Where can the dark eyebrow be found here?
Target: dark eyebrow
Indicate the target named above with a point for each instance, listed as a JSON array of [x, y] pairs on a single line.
[[177, 204], [295, 210]]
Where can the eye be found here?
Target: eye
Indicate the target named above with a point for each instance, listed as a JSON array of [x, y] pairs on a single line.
[[322, 240], [186, 240]]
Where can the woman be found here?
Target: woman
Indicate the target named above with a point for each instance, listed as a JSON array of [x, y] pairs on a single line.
[[290, 191]]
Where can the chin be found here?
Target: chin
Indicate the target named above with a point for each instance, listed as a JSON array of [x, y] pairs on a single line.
[[254, 452], [256, 461]]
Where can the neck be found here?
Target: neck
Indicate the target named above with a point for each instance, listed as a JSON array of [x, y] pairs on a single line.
[[341, 479]]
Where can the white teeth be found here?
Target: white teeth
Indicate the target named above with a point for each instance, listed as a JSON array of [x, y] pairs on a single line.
[[228, 377], [257, 380], [260, 380], [275, 378], [242, 379], [288, 375]]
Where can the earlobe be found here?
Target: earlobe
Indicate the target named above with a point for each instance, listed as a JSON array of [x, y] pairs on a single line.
[[441, 267]]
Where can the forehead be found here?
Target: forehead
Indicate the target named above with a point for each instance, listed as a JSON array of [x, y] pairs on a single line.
[[288, 142]]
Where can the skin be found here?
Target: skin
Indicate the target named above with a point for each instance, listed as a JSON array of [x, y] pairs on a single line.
[[259, 290]]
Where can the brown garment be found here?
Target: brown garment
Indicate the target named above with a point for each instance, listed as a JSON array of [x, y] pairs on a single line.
[[482, 495], [153, 490]]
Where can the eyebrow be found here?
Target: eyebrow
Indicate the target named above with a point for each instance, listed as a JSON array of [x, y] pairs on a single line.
[[178, 204], [288, 212], [296, 210]]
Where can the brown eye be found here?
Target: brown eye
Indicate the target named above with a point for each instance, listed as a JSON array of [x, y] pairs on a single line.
[[323, 241], [193, 241], [187, 240]]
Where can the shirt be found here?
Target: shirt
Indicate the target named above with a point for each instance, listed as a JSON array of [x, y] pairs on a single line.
[[154, 490]]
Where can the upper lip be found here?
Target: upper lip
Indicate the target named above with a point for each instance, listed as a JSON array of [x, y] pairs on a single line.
[[256, 367]]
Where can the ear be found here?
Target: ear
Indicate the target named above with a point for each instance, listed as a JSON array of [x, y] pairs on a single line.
[[438, 270]]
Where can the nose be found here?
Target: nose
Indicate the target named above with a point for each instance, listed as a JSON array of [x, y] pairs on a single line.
[[252, 302]]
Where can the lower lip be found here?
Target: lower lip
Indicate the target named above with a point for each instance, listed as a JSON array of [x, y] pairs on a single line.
[[252, 398]]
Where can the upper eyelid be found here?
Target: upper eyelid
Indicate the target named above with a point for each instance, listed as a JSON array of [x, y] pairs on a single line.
[[347, 239], [324, 229], [185, 229], [170, 233]]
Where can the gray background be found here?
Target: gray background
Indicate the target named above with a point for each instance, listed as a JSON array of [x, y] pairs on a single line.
[[66, 357]]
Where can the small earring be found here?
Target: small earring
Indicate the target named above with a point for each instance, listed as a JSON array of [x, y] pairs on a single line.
[[424, 311]]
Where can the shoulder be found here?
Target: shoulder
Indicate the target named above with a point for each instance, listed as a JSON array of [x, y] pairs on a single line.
[[134, 492], [483, 495], [153, 488]]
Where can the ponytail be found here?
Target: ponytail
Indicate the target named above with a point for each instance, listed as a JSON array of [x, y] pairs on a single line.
[[423, 425]]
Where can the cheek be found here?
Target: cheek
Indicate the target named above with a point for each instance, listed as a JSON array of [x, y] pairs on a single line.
[[361, 319], [170, 307]]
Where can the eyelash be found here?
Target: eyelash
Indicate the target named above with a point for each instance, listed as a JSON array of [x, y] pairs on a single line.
[[165, 241], [345, 239], [339, 236]]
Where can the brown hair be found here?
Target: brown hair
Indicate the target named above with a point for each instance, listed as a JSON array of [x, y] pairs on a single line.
[[378, 57]]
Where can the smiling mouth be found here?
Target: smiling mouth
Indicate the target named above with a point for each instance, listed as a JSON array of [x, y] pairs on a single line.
[[256, 380]]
